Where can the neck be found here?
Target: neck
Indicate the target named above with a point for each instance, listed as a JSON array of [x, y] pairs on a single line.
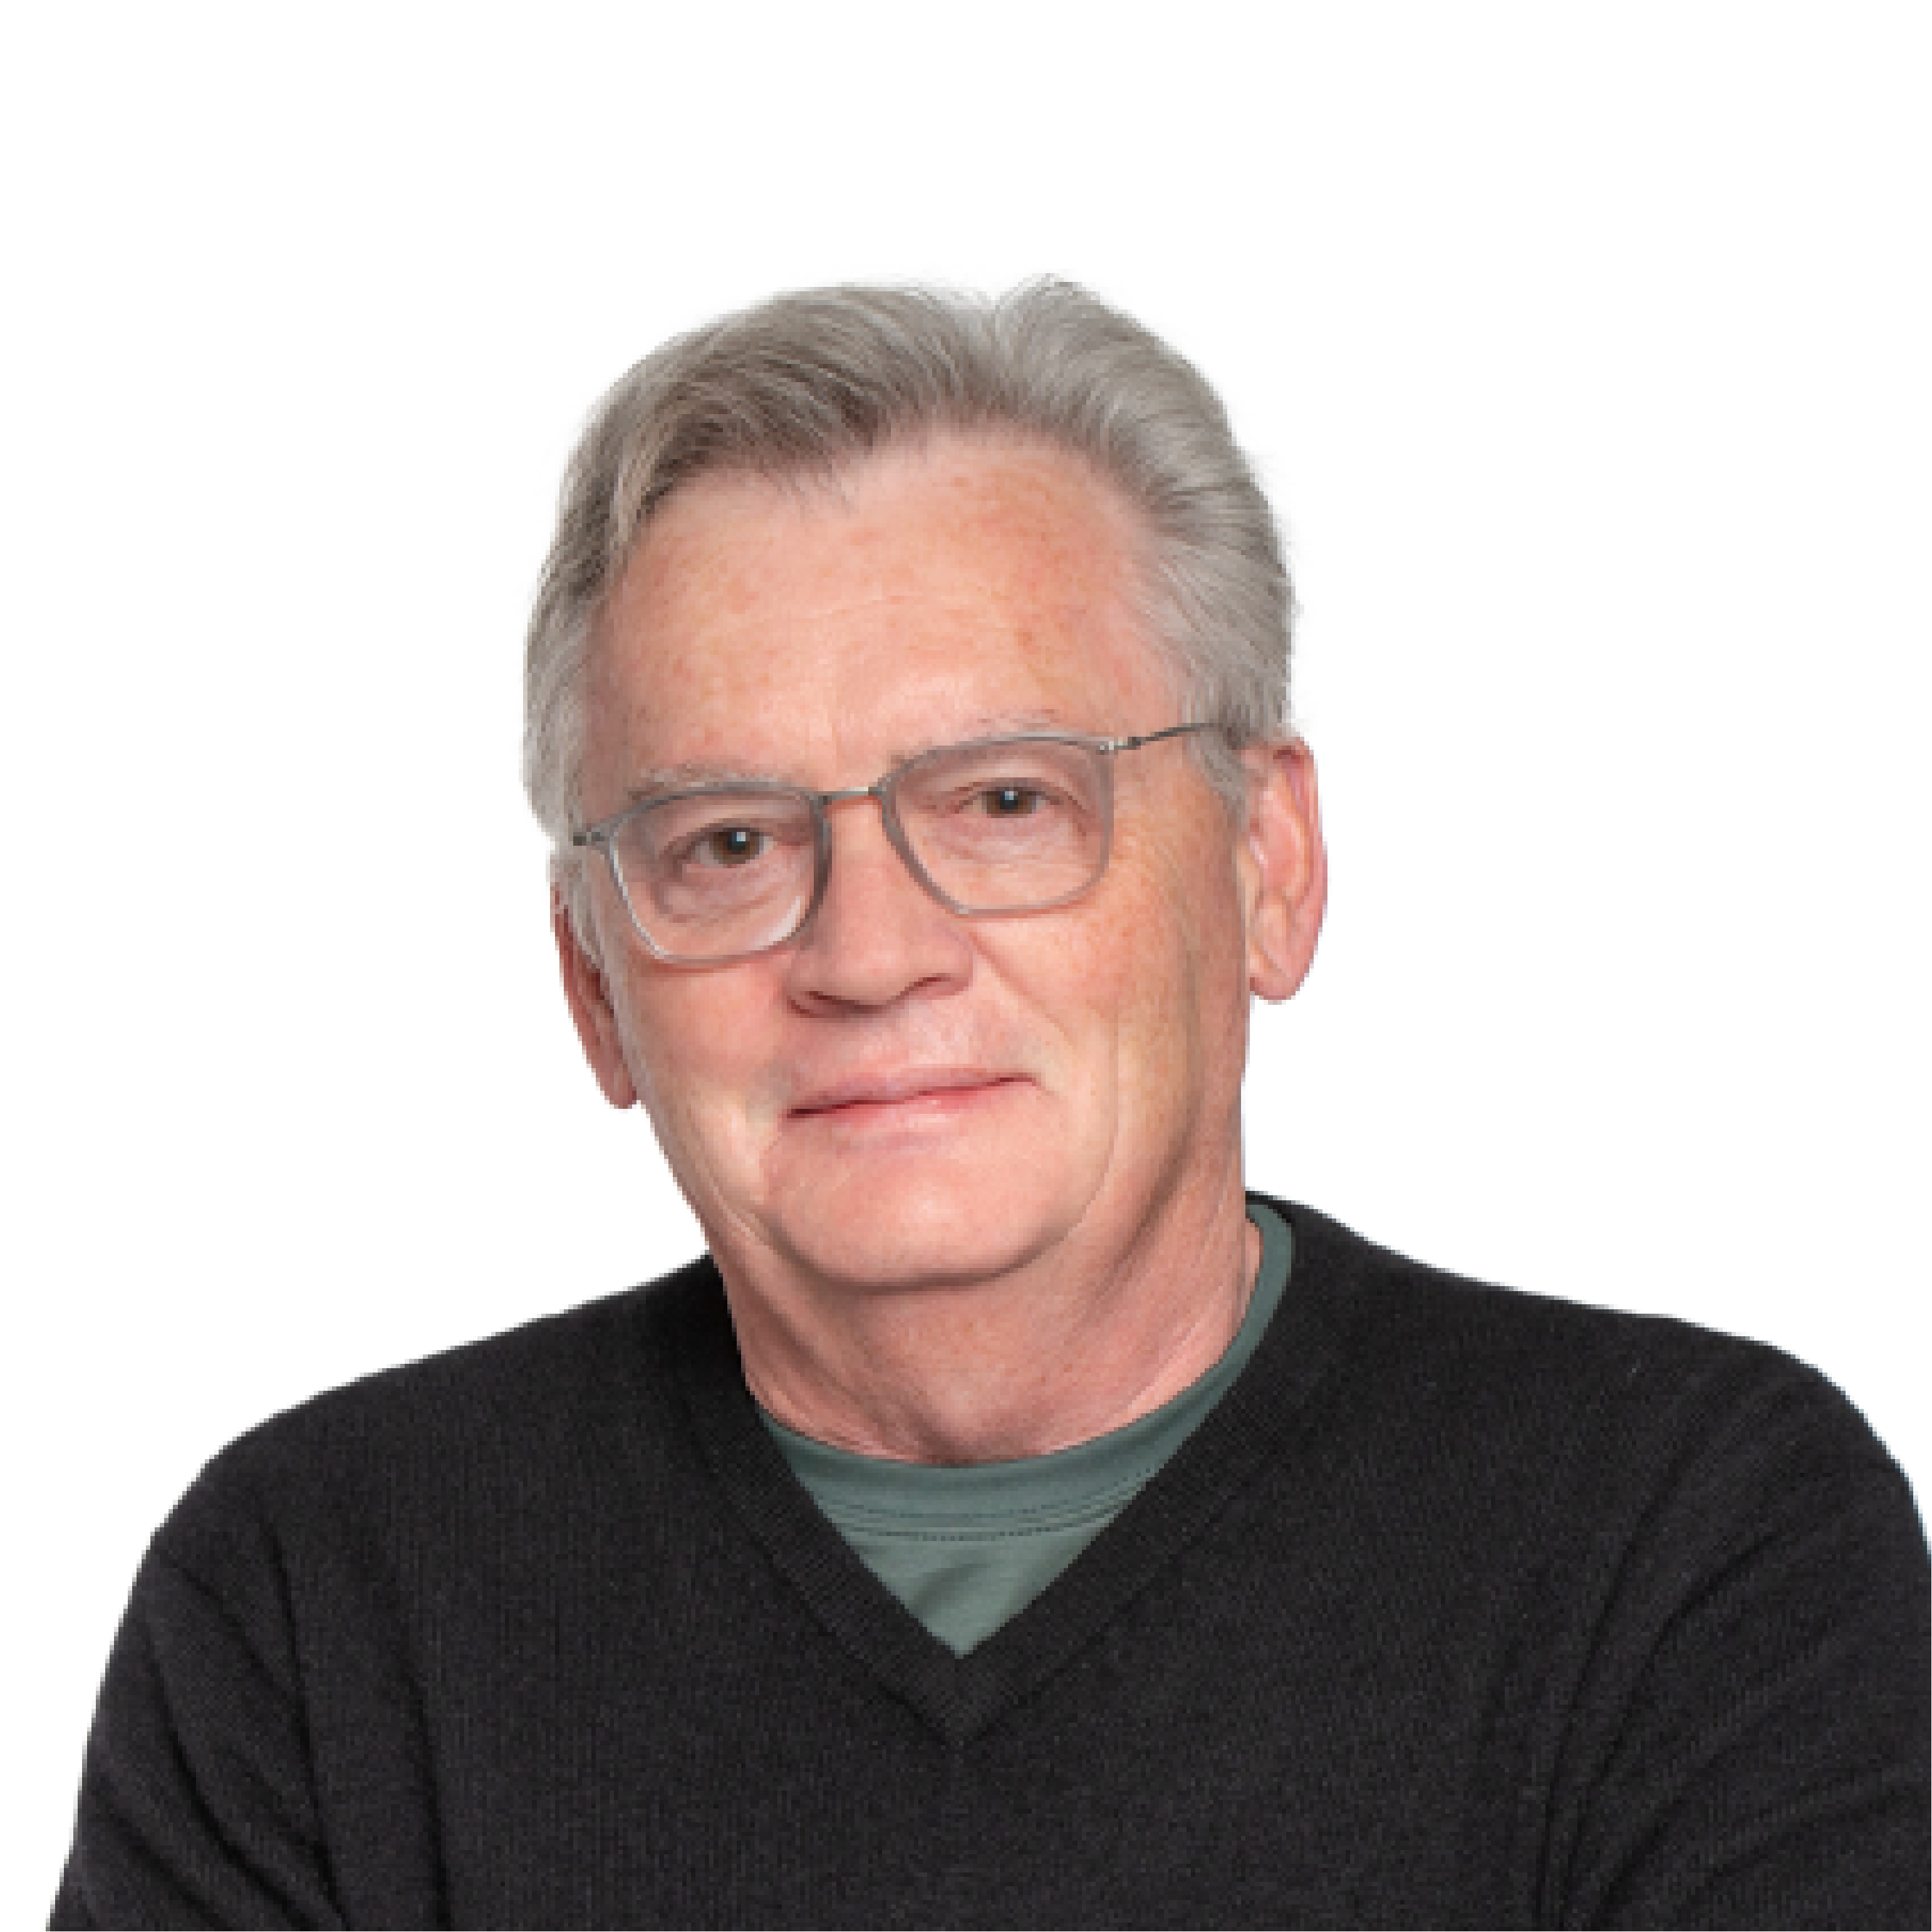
[[1084, 1339]]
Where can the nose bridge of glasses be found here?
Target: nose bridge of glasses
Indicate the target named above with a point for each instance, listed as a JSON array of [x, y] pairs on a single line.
[[877, 790], [889, 823]]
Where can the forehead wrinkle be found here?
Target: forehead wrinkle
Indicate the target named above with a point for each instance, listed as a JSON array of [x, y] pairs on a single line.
[[712, 661], [1028, 490], [760, 673]]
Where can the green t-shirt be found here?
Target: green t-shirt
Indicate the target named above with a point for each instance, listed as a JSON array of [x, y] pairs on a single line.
[[965, 1547]]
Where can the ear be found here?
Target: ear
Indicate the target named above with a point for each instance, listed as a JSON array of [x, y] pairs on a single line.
[[1284, 867], [585, 987]]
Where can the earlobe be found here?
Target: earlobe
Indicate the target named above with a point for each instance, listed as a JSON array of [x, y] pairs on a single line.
[[1287, 868], [584, 987]]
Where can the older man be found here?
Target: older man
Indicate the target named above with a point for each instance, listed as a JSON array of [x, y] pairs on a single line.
[[1012, 1519]]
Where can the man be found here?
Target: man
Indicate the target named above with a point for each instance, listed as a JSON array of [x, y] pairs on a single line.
[[1012, 1519]]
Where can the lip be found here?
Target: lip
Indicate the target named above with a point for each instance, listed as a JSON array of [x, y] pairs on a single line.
[[900, 1088]]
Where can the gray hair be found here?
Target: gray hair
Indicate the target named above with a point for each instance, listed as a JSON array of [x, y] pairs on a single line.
[[807, 382]]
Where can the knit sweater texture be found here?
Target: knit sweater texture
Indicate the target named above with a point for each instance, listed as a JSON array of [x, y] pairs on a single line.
[[1462, 1607]]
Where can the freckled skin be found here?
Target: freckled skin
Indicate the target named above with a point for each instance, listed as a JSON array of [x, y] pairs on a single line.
[[1008, 1272]]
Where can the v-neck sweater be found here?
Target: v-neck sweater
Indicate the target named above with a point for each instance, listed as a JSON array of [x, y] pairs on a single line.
[[1463, 1606], [966, 1546]]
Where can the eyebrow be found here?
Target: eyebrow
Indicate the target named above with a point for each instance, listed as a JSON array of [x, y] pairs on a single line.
[[661, 778], [671, 778]]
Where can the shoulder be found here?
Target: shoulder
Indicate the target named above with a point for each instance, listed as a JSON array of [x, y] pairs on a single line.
[[1597, 1408], [1699, 1582], [532, 1411], [1377, 1291]]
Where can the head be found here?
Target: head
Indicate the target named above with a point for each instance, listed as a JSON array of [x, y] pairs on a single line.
[[816, 538], [804, 385]]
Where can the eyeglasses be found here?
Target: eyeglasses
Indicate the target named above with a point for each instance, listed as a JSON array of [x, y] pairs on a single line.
[[721, 872]]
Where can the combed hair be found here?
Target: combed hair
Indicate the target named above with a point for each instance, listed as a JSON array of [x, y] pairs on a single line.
[[808, 382]]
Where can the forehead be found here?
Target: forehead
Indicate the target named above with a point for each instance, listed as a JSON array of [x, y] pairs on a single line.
[[924, 593]]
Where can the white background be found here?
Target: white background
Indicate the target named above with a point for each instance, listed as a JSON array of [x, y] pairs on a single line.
[[1585, 351]]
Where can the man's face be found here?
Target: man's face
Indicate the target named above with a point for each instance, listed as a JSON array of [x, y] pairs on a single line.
[[903, 1097]]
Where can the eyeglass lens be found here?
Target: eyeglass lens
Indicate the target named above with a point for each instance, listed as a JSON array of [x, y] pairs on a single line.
[[998, 827]]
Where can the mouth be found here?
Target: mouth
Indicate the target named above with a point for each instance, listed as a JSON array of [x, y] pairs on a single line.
[[912, 1094]]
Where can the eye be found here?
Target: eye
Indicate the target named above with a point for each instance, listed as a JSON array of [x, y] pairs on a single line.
[[730, 845], [1008, 801]]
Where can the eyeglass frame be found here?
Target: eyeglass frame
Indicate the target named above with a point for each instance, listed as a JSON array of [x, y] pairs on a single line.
[[602, 836]]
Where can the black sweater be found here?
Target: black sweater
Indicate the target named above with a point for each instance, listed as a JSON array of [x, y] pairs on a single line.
[[1462, 1607]]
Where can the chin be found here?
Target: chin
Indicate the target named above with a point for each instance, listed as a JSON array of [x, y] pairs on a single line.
[[882, 1230]]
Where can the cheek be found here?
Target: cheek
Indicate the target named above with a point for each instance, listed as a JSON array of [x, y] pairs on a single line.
[[1120, 985], [697, 1052], [1178, 960]]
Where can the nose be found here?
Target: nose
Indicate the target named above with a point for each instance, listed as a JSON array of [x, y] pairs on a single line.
[[877, 935]]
